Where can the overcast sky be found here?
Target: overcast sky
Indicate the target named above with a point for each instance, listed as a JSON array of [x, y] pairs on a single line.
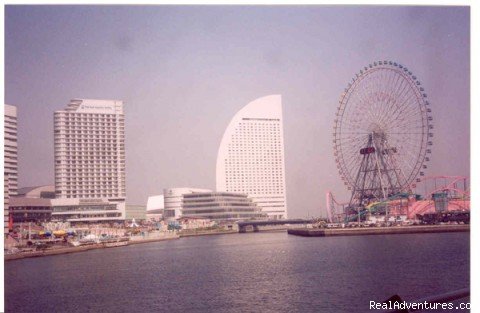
[[183, 73]]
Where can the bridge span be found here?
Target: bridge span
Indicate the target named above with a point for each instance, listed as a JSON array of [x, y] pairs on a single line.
[[244, 225]]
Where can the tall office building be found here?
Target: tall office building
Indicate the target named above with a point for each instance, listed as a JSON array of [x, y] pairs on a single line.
[[251, 156], [10, 164], [90, 159]]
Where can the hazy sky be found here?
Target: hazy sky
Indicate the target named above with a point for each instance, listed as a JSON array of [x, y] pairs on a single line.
[[183, 72]]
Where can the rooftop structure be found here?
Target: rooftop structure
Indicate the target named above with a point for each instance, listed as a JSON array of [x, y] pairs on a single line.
[[47, 192]]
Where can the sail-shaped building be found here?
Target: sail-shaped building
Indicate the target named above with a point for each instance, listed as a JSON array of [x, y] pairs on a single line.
[[251, 156]]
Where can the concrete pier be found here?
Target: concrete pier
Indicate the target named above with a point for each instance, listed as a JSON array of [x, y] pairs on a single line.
[[327, 232]]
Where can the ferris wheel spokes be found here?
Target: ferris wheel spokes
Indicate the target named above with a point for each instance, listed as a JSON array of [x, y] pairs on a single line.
[[382, 132]]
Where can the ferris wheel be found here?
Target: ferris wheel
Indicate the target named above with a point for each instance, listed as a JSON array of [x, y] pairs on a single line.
[[382, 132]]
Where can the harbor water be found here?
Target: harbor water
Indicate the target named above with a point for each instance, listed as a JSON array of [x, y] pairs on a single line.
[[253, 272]]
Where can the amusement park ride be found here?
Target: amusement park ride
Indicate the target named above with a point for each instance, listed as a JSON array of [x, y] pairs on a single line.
[[382, 144]]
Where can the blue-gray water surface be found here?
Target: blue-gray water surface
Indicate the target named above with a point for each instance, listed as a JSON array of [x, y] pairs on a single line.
[[253, 272]]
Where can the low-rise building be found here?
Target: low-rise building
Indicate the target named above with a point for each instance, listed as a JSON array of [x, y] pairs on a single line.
[[37, 204], [220, 206], [32, 204], [23, 209], [173, 201], [46, 192], [87, 210]]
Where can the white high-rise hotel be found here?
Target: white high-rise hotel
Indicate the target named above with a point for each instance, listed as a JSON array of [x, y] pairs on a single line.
[[10, 162], [90, 158], [251, 156]]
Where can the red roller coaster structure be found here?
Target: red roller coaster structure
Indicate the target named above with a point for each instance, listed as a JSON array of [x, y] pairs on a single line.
[[454, 189]]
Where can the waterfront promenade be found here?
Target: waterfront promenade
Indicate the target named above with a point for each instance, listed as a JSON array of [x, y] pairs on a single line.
[[133, 240], [64, 250], [328, 232]]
